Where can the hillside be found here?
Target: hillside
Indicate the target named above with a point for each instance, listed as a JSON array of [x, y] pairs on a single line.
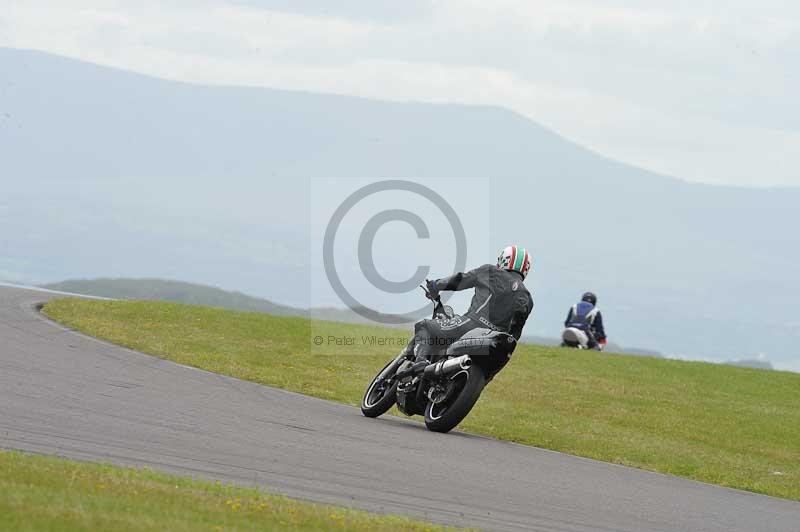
[[737, 427], [197, 294], [177, 291], [112, 173]]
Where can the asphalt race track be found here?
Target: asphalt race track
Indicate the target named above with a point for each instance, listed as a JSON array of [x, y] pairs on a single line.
[[66, 394]]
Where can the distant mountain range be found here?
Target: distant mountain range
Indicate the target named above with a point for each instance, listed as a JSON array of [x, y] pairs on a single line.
[[757, 364], [111, 173]]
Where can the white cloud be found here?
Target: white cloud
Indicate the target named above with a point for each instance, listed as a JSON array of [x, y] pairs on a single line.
[[702, 92]]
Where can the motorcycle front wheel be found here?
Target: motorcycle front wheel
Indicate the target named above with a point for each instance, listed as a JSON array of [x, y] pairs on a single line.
[[465, 389], [381, 394]]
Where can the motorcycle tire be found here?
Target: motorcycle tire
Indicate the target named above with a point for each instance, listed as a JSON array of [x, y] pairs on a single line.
[[373, 405], [444, 416]]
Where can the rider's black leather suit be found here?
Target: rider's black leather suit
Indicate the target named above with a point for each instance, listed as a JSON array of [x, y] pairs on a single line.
[[501, 302]]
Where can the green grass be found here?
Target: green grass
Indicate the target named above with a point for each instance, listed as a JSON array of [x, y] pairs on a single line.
[[732, 426], [53, 494]]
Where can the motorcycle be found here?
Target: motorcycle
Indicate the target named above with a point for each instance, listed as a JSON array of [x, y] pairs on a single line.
[[445, 388]]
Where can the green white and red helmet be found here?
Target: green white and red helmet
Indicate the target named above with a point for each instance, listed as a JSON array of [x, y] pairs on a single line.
[[515, 258]]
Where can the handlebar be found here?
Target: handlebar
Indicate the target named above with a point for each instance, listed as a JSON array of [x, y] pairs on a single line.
[[428, 293]]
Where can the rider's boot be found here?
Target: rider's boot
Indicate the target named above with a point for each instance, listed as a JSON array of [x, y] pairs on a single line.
[[415, 369], [413, 351]]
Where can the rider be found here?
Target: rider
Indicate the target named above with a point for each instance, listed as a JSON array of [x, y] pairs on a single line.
[[586, 317], [501, 302]]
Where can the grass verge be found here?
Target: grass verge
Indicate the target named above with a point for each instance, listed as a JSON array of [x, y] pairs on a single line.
[[737, 427], [54, 494]]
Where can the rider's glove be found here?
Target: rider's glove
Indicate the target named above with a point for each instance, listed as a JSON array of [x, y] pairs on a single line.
[[433, 290]]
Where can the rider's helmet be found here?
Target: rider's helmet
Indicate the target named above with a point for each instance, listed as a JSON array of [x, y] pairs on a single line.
[[589, 297], [515, 258]]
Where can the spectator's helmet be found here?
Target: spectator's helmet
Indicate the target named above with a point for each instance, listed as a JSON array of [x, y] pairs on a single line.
[[515, 258], [589, 297]]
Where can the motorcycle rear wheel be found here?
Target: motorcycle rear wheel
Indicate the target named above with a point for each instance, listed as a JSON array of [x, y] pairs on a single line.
[[377, 399], [444, 416]]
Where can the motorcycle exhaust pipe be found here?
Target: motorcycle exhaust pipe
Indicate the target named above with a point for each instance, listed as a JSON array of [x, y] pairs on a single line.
[[448, 367]]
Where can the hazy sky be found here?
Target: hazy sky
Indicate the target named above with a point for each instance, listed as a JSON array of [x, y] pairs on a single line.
[[705, 91]]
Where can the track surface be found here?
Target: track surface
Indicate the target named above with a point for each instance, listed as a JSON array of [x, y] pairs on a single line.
[[67, 394]]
